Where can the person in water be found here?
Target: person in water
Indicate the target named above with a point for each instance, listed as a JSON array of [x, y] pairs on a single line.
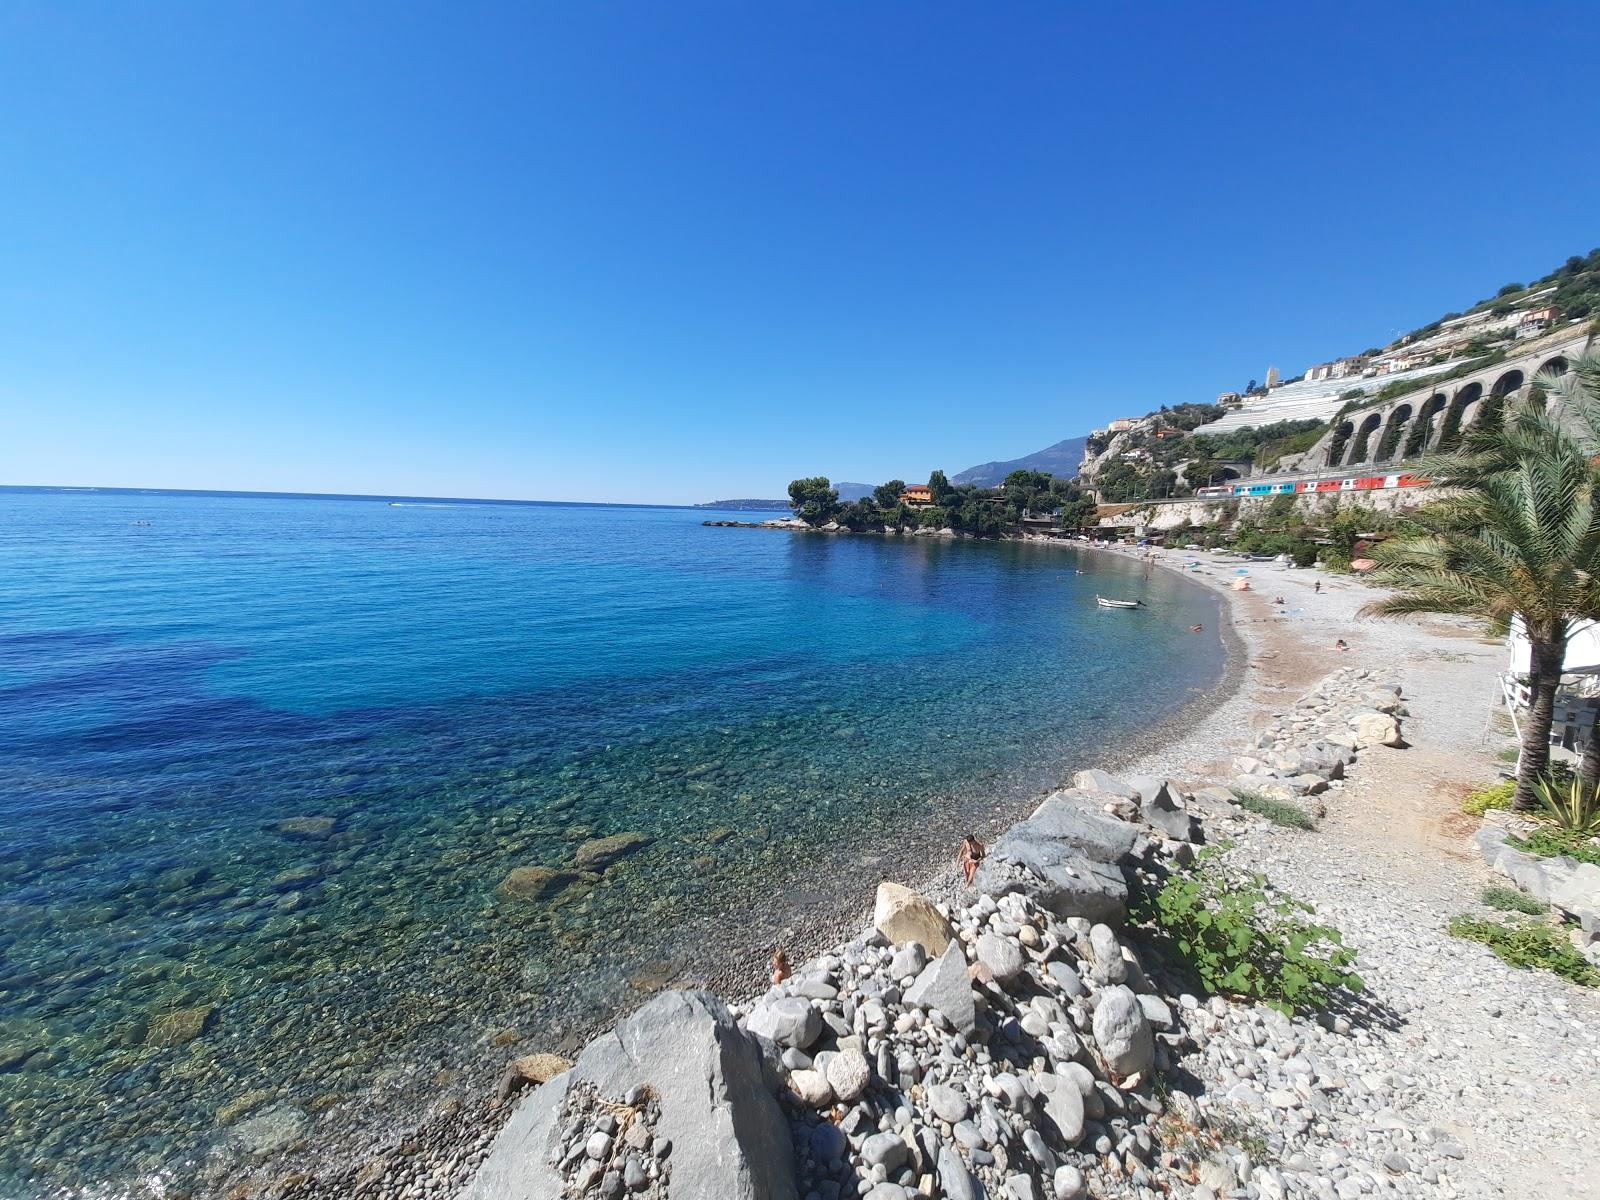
[[1197, 629]]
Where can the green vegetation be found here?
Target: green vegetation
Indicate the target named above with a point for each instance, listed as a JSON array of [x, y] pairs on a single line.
[[1517, 538], [1570, 805], [1509, 899], [982, 512], [1528, 944], [1242, 938], [1279, 812], [814, 500], [1549, 842], [1496, 795]]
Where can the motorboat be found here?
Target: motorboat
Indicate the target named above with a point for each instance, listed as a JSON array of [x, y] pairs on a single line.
[[1104, 603]]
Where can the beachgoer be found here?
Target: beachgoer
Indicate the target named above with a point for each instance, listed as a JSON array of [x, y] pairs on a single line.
[[1196, 628], [780, 966], [1340, 645], [1317, 586], [970, 856]]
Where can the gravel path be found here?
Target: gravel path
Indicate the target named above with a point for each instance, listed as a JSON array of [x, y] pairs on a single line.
[[1503, 1064]]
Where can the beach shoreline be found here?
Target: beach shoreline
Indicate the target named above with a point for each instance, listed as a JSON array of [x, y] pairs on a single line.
[[1274, 653], [460, 1125]]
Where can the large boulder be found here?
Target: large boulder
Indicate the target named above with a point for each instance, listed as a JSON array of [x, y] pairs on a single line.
[[903, 916], [1099, 781], [729, 1138], [1162, 809], [945, 985], [1375, 729], [790, 1021], [1579, 895], [1066, 857]]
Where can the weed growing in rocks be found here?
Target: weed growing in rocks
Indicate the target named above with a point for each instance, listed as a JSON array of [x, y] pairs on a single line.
[[1279, 812], [1509, 899], [1243, 940], [1528, 944], [1549, 842]]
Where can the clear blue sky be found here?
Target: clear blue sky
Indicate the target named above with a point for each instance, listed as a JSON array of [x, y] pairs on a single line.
[[676, 251]]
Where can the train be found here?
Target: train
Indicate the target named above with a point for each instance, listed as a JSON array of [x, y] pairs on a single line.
[[1314, 483]]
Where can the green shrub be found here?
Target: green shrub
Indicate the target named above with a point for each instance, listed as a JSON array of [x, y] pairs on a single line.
[[1496, 795], [1243, 939], [1547, 841], [1509, 899], [1569, 805], [1279, 812], [1529, 944]]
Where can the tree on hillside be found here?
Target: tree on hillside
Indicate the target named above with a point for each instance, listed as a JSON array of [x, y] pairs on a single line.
[[888, 494], [940, 487], [1516, 540], [814, 499]]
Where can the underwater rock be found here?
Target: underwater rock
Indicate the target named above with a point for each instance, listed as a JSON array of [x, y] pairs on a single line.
[[599, 853], [179, 1025], [534, 883]]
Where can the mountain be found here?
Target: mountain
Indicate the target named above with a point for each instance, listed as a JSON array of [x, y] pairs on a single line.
[[1061, 460], [847, 492]]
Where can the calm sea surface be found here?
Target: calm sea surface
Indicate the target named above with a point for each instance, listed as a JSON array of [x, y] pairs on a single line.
[[446, 693]]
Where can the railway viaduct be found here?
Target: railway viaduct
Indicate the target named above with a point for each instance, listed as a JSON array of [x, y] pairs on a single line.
[[1431, 417]]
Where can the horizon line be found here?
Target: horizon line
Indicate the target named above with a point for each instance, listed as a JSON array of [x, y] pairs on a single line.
[[240, 493]]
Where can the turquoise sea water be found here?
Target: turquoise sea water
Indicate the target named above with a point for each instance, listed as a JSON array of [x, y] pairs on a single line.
[[454, 691]]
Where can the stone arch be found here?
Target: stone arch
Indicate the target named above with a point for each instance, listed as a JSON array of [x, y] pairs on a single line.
[[1506, 384], [1450, 432], [1341, 439], [1551, 366], [1364, 432], [1422, 428], [1392, 429]]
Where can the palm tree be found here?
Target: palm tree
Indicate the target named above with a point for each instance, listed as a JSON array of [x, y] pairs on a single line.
[[1515, 539]]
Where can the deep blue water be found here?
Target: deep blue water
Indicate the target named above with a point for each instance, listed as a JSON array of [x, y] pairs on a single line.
[[457, 690]]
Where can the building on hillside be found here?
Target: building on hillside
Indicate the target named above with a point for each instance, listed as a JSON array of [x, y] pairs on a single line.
[[1121, 424], [1230, 399], [1272, 378], [917, 495], [1535, 322]]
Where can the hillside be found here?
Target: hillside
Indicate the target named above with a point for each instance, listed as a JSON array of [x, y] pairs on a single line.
[[1060, 460]]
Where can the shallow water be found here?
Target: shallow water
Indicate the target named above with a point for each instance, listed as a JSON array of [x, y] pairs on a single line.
[[186, 986]]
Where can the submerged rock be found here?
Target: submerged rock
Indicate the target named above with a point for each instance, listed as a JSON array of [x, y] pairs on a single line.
[[307, 828], [535, 883], [179, 1025], [599, 853]]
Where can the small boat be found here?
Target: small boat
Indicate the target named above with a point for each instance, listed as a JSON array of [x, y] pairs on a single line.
[[1104, 603]]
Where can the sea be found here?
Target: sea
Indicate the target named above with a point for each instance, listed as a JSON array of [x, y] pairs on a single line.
[[268, 761]]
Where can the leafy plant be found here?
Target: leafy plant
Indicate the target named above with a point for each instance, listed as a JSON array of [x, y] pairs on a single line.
[[1549, 842], [1509, 899], [1496, 795], [1242, 938], [1528, 944], [1571, 806], [1279, 812]]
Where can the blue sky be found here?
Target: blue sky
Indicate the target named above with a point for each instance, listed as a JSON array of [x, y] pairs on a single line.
[[669, 252]]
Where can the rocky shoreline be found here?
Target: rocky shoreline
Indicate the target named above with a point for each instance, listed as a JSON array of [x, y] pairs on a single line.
[[1014, 1044]]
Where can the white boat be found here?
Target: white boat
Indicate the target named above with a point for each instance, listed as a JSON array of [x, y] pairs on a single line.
[[1104, 603]]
